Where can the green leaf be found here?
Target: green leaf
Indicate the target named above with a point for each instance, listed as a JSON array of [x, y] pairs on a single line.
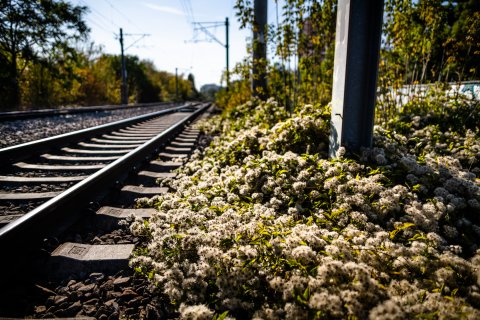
[[418, 236], [306, 293], [401, 227], [221, 316], [416, 187]]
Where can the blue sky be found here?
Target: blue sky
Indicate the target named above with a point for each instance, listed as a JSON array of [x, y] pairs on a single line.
[[168, 22]]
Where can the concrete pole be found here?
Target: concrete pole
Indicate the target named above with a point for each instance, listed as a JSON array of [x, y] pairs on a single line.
[[123, 89], [227, 48], [176, 85], [357, 46], [259, 80]]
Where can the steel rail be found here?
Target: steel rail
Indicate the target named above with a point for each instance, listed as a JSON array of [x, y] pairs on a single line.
[[54, 216], [23, 151]]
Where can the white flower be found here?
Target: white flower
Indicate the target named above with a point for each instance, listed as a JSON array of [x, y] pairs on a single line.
[[387, 310], [298, 187], [340, 152], [304, 254], [196, 312], [292, 211], [328, 303], [271, 231]]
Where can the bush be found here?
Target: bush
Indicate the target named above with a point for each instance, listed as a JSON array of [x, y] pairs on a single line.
[[262, 225]]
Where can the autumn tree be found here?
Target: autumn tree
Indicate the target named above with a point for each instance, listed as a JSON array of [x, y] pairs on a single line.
[[31, 31]]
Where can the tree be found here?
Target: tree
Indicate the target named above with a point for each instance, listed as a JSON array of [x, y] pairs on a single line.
[[195, 93], [302, 41], [32, 30], [431, 40]]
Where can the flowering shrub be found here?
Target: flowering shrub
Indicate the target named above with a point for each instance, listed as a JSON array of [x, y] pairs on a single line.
[[450, 128], [262, 225]]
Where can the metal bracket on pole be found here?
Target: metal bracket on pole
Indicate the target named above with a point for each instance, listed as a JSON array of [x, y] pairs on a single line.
[[204, 26], [357, 46]]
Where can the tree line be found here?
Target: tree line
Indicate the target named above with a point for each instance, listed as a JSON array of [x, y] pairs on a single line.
[[423, 41], [46, 60]]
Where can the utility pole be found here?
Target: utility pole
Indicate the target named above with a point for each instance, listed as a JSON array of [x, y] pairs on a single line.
[[123, 89], [259, 80], [176, 85], [227, 47], [204, 26], [357, 47]]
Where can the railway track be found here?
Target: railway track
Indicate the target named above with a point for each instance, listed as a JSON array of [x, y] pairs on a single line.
[[46, 186], [16, 115]]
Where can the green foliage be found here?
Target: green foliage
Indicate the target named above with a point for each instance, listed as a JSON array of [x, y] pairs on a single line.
[[34, 31], [42, 63], [432, 40], [238, 94], [302, 43], [431, 122], [399, 228], [91, 77], [271, 226], [220, 316], [429, 41]]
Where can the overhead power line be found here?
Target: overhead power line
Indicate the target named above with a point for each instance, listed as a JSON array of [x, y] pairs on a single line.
[[188, 10], [141, 35], [123, 15], [101, 15], [99, 25], [204, 27]]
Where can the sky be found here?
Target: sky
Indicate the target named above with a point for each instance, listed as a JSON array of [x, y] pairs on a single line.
[[171, 42]]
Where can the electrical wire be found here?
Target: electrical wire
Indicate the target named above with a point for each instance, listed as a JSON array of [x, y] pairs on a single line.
[[123, 15], [100, 15], [188, 10], [98, 25], [102, 20]]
